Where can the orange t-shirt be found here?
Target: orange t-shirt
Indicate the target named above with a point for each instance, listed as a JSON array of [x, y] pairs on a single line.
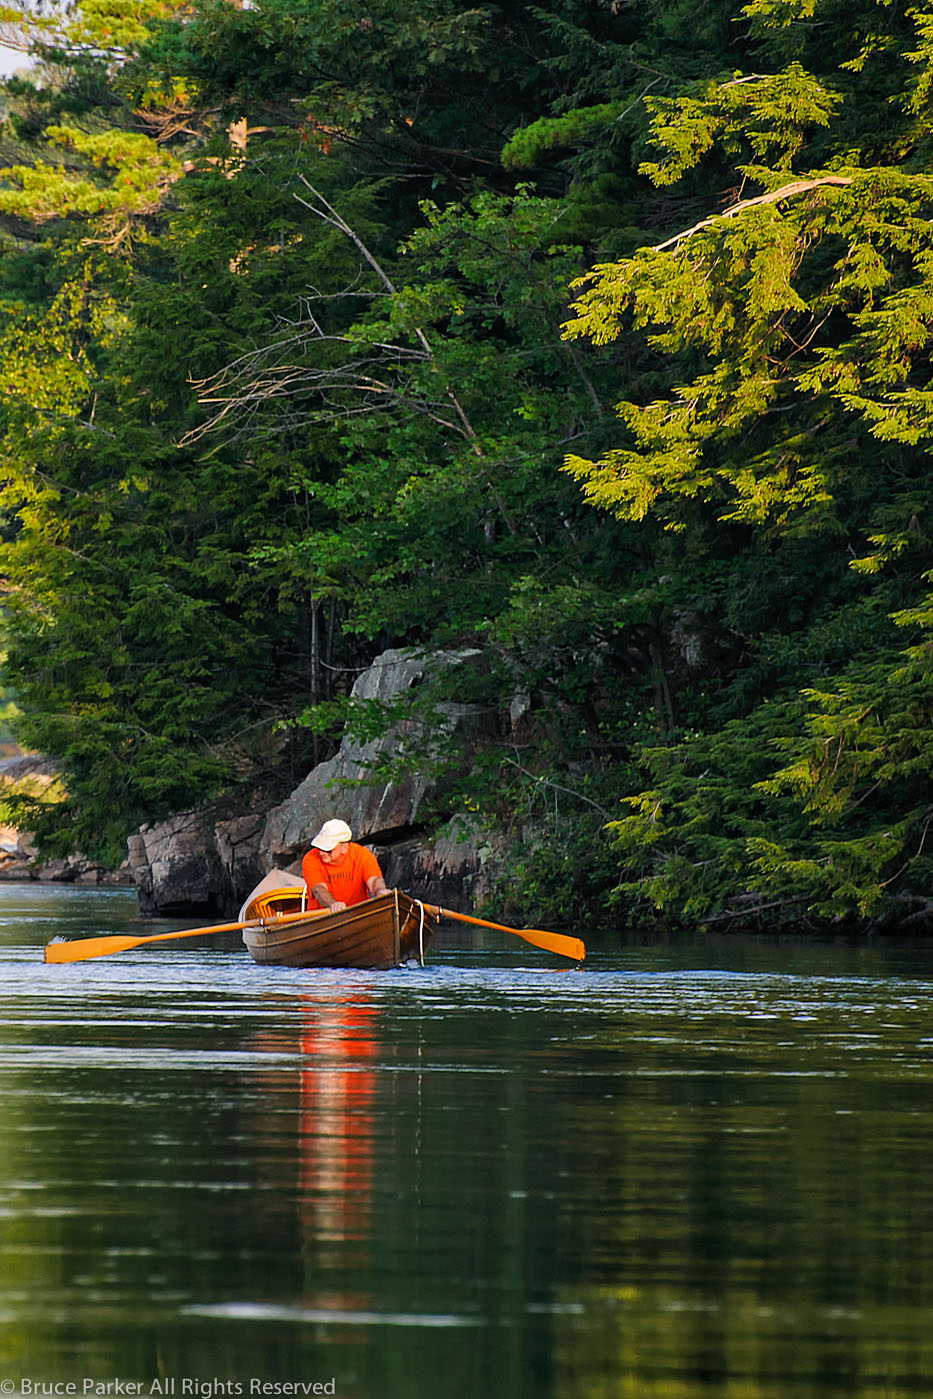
[[345, 881]]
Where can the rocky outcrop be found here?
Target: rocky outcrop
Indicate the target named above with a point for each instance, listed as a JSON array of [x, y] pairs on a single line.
[[176, 867], [190, 865], [20, 864], [456, 866], [348, 786]]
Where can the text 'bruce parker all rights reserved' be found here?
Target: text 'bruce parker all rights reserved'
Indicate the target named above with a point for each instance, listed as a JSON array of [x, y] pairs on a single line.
[[169, 1388]]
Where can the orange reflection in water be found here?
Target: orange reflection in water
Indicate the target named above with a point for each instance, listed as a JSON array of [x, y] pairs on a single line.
[[331, 1148], [337, 1092]]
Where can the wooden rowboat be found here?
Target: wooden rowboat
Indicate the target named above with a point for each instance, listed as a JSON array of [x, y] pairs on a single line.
[[383, 932], [280, 931]]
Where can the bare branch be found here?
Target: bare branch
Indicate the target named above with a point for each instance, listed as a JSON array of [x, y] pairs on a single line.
[[277, 382], [337, 221], [243, 385], [774, 197]]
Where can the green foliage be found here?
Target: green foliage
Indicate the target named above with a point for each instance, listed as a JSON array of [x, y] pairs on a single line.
[[685, 843], [762, 119], [285, 383], [141, 172], [174, 606], [561, 860], [793, 330], [531, 144], [449, 462], [141, 637]]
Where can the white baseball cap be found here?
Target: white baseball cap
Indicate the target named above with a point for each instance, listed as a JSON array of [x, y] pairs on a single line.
[[331, 834]]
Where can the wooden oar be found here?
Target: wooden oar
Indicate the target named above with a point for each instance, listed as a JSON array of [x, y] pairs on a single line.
[[84, 948], [551, 942]]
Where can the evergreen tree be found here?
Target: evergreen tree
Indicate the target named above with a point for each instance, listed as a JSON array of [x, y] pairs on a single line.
[[788, 449]]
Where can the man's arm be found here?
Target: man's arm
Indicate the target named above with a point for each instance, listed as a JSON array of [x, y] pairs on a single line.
[[376, 885], [326, 899]]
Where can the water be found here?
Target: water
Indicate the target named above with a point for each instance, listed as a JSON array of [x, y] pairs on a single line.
[[693, 1170]]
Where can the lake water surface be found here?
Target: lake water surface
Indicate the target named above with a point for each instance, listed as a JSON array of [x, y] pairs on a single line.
[[683, 1171]]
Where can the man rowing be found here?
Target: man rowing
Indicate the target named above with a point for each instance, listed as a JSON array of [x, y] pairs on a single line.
[[338, 872]]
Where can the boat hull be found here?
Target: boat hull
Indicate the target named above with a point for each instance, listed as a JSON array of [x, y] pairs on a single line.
[[382, 933]]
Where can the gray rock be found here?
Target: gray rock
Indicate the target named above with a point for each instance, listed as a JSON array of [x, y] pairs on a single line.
[[177, 867], [190, 865], [456, 867], [238, 846], [348, 787]]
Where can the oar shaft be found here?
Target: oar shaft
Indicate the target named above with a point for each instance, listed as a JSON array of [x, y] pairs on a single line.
[[485, 923]]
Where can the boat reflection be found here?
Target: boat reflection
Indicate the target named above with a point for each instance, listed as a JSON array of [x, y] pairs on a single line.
[[328, 1149], [337, 1087]]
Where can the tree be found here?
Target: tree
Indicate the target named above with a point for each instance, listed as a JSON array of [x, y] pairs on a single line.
[[155, 658], [792, 324], [169, 594], [282, 292]]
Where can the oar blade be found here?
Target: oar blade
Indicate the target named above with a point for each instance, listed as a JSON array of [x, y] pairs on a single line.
[[564, 946], [574, 948], [83, 948]]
